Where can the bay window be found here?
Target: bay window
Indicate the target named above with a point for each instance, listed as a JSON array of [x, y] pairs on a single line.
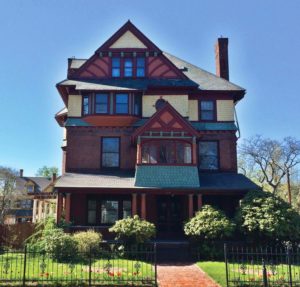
[[121, 104], [166, 152], [208, 155], [101, 104], [86, 105]]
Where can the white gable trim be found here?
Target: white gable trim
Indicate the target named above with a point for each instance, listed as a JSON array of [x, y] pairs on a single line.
[[128, 40]]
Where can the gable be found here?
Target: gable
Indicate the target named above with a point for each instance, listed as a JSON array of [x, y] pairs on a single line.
[[95, 67], [128, 40]]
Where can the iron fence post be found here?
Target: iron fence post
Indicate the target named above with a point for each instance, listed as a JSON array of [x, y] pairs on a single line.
[[155, 262], [24, 267], [289, 266], [226, 263], [90, 268], [264, 270]]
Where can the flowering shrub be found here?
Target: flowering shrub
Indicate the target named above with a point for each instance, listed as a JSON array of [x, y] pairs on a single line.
[[209, 223], [88, 241], [133, 230]]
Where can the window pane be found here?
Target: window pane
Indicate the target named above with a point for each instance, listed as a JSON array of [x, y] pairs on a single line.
[[110, 145], [140, 70], [86, 106], [184, 153], [207, 105], [116, 65], [207, 110], [208, 155], [110, 160], [128, 67], [116, 72], [126, 208], [122, 103], [137, 105], [92, 217], [109, 211], [101, 104], [207, 115]]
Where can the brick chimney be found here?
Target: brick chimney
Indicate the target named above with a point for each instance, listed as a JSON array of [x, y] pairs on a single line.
[[53, 177], [221, 54], [21, 172]]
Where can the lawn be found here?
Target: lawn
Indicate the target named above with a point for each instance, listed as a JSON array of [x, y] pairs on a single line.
[[215, 269], [42, 269]]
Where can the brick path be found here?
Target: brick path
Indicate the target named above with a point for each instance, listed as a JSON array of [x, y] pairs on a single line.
[[183, 275]]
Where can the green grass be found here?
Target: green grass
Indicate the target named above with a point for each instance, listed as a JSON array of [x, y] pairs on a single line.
[[216, 270], [41, 269]]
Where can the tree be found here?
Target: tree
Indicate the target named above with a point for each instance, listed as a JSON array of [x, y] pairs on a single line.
[[269, 160], [47, 171], [8, 192], [265, 217]]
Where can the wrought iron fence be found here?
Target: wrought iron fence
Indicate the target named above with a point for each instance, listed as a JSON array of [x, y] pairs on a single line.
[[262, 266], [112, 265]]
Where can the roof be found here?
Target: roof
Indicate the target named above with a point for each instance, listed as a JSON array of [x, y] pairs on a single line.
[[205, 80], [109, 180], [126, 84], [226, 181], [41, 183], [77, 63], [156, 176]]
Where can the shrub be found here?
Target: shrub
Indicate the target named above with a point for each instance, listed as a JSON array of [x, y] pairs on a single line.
[[60, 246], [88, 241], [133, 230], [267, 217], [209, 223]]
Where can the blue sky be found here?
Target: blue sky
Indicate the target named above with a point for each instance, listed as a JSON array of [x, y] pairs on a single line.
[[38, 36]]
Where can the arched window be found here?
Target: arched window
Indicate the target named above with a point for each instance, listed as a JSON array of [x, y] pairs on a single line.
[[166, 152]]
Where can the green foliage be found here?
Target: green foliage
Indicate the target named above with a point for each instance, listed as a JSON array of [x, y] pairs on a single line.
[[47, 171], [60, 246], [133, 230], [267, 217], [209, 223], [88, 241]]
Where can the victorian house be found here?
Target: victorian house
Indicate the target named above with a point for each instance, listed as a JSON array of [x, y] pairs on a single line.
[[147, 133]]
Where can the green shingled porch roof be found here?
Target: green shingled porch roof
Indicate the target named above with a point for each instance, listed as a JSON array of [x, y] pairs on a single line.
[[167, 176]]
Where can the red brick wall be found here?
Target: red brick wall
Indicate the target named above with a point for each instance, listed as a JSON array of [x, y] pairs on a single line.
[[84, 147]]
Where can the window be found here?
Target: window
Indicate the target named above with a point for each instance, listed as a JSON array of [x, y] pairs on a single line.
[[109, 211], [208, 155], [86, 105], [140, 67], [101, 104], [116, 67], [30, 188], [121, 104], [207, 110], [126, 208], [110, 152], [26, 204], [137, 105], [128, 68], [92, 212], [166, 152]]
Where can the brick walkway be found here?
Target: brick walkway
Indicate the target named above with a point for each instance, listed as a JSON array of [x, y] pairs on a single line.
[[183, 275]]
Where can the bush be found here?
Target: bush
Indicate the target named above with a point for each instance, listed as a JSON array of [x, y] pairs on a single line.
[[209, 224], [268, 218], [61, 246], [133, 230], [88, 241]]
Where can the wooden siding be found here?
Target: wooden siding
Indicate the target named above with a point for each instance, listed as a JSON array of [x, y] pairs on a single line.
[[179, 102], [225, 110], [193, 110], [128, 40], [74, 106]]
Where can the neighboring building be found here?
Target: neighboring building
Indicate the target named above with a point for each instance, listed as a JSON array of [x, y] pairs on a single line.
[[147, 133], [35, 199]]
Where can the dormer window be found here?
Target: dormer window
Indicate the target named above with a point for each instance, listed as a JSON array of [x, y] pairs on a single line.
[[30, 188], [116, 67]]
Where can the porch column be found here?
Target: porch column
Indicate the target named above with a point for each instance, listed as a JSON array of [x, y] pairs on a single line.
[[40, 210], [134, 204], [194, 151], [199, 201], [34, 209], [191, 205], [143, 212], [45, 213], [59, 207], [68, 207]]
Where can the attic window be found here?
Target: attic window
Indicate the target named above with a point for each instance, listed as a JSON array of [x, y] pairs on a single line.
[[116, 67], [30, 188]]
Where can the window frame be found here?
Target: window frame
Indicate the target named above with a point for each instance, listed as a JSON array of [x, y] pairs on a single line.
[[157, 144], [218, 155], [119, 153], [95, 103], [214, 111], [120, 199], [115, 103]]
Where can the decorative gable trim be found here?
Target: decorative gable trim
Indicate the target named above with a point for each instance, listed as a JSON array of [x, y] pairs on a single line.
[[166, 119]]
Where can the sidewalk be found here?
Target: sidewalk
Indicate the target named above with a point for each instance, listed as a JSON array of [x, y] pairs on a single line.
[[183, 275]]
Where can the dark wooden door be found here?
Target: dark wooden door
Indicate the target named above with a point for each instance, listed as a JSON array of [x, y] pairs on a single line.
[[169, 216]]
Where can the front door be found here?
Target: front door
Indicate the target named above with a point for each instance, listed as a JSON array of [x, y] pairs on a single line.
[[170, 216]]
